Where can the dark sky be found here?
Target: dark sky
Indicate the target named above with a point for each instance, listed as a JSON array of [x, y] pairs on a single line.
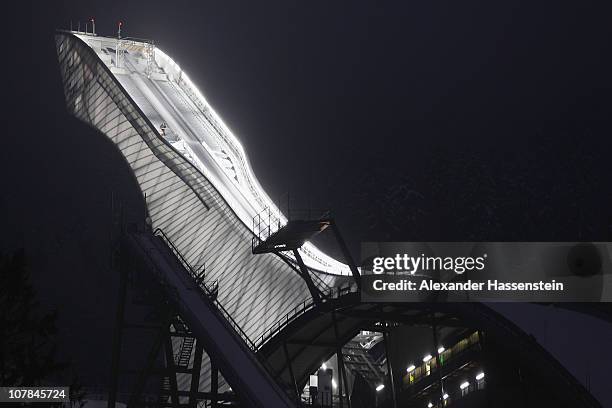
[[411, 121], [397, 117]]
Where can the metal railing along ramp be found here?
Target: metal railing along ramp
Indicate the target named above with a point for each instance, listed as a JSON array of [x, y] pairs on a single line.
[[222, 338]]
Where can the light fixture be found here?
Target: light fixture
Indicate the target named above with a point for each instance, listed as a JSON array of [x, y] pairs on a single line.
[[410, 368], [464, 385], [445, 396], [314, 381], [324, 366], [427, 358], [441, 349], [429, 405], [334, 383], [480, 376], [380, 387]]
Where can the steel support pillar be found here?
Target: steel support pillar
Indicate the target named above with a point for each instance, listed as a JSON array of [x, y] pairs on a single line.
[[295, 386], [117, 337], [436, 346], [389, 368], [341, 368], [195, 374], [153, 353], [171, 366], [214, 384], [346, 385], [306, 276]]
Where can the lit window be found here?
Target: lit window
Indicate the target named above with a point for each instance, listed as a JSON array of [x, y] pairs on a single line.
[[480, 381], [314, 381], [465, 388]]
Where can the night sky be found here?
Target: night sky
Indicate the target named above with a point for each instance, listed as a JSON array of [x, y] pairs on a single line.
[[410, 121]]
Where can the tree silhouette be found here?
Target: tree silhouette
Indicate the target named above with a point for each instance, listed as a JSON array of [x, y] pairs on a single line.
[[28, 340], [27, 351]]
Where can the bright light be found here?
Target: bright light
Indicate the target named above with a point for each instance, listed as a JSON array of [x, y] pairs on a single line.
[[410, 368], [334, 383], [313, 256], [445, 396], [314, 381], [380, 387], [480, 376], [464, 385], [427, 358], [441, 350], [324, 366], [429, 405]]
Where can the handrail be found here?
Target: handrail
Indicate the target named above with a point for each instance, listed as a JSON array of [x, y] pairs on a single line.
[[300, 309], [210, 294]]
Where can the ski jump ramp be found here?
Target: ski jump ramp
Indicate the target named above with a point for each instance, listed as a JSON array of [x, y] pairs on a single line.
[[192, 171]]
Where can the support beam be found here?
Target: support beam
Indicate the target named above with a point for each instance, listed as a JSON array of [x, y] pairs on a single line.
[[347, 254], [390, 369], [214, 384], [117, 337], [297, 391], [144, 374], [171, 373], [313, 343], [223, 396], [341, 369], [398, 317], [436, 345], [157, 370], [346, 384], [195, 375], [306, 276]]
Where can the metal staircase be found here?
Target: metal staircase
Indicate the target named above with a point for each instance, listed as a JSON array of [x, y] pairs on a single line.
[[221, 337], [185, 352]]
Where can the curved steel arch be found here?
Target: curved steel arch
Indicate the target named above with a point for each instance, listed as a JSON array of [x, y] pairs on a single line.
[[310, 339]]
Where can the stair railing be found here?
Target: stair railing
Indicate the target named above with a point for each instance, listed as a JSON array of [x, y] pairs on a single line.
[[210, 294]]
